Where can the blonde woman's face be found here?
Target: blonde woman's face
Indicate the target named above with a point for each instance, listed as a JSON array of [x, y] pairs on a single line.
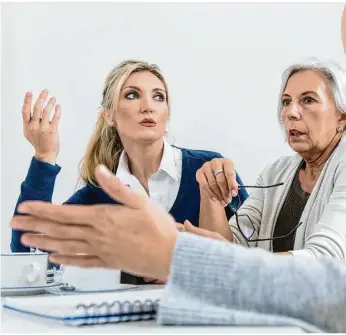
[[142, 111], [308, 112]]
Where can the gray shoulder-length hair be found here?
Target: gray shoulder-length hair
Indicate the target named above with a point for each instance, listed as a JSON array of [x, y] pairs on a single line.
[[332, 71]]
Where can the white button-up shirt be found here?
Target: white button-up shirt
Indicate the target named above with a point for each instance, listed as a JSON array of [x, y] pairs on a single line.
[[164, 184]]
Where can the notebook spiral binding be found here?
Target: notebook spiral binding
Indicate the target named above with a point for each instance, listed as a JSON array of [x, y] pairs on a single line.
[[115, 312]]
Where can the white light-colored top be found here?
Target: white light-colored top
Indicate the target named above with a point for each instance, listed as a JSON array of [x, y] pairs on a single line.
[[323, 232], [164, 184]]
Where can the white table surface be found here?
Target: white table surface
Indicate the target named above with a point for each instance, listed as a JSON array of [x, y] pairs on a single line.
[[13, 322]]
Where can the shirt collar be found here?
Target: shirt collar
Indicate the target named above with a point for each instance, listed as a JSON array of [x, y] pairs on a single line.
[[167, 164], [123, 172], [168, 161]]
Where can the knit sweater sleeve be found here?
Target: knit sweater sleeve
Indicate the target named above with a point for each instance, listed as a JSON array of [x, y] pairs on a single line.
[[39, 185], [219, 283]]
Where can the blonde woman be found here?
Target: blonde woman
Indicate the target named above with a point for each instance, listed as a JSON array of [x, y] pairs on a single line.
[[129, 140]]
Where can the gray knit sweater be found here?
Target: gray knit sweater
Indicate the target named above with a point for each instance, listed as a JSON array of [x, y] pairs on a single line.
[[220, 283]]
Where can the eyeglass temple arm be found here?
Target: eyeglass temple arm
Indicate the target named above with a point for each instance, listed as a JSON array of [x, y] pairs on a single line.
[[255, 186]]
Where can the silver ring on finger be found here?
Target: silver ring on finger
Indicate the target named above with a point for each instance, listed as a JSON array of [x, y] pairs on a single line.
[[218, 171]]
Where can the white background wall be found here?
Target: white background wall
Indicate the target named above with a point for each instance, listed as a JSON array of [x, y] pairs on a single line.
[[223, 63]]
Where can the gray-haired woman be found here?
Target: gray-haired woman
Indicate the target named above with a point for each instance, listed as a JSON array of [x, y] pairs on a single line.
[[298, 205]]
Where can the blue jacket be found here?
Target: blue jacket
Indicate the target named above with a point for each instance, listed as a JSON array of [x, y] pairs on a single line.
[[40, 180]]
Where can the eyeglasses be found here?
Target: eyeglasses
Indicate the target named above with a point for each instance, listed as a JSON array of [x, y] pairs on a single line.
[[235, 205]]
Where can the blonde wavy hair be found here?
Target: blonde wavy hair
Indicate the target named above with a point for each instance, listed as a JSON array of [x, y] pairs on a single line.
[[105, 145]]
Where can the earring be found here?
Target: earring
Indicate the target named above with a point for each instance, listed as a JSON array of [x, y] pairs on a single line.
[[339, 128], [111, 124]]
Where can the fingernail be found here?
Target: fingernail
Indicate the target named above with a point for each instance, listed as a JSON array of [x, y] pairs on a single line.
[[223, 203], [26, 240], [234, 193], [52, 258], [214, 199], [22, 208], [228, 201], [103, 170]]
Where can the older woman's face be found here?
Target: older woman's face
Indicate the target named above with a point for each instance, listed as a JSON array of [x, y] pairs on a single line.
[[308, 113]]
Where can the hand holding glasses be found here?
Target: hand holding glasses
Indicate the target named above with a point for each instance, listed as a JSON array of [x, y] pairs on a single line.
[[235, 204]]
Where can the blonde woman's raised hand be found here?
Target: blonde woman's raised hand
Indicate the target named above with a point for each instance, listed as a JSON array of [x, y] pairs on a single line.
[[39, 128]]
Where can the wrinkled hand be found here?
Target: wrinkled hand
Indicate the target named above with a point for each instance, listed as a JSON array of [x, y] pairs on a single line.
[[137, 237], [221, 187], [190, 228], [38, 129]]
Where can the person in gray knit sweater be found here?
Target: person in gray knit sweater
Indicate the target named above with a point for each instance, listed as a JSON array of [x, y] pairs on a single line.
[[210, 281]]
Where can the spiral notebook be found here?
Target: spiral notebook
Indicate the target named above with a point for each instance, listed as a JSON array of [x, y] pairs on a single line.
[[90, 309]]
